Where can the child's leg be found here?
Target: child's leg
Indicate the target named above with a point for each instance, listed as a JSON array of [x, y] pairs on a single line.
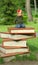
[[18, 26], [22, 26]]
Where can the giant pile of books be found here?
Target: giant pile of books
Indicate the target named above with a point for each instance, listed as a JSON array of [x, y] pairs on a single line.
[[15, 41]]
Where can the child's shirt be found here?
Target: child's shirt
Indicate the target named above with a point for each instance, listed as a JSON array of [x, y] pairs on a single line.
[[19, 20]]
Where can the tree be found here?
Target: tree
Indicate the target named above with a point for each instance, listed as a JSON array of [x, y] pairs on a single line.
[[28, 9], [35, 5]]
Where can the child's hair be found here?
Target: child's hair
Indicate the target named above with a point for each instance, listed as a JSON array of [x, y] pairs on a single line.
[[19, 11]]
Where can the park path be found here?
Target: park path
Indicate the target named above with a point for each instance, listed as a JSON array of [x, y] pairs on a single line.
[[21, 63]]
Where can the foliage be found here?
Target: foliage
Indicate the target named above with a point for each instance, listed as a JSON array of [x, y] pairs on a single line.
[[7, 10], [32, 3], [33, 44]]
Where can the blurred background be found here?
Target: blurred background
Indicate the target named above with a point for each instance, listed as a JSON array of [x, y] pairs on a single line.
[[8, 10]]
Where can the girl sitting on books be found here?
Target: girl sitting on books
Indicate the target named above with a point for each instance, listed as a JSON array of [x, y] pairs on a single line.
[[19, 19]]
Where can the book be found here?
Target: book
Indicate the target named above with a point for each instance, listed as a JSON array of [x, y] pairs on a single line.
[[21, 30], [18, 37], [11, 43], [6, 35], [3, 55], [9, 51]]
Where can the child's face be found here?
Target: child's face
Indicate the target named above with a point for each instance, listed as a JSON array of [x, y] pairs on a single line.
[[19, 13]]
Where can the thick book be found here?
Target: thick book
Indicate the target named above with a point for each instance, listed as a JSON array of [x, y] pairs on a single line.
[[11, 43], [4, 34], [9, 51], [21, 30], [7, 35], [20, 36], [3, 55]]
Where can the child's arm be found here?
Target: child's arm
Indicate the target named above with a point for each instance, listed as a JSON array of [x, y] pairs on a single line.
[[15, 20]]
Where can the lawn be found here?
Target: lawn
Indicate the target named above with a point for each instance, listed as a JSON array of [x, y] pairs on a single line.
[[33, 44], [34, 25], [4, 28]]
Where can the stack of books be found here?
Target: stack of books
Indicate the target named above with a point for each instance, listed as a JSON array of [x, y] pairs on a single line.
[[15, 41], [22, 33], [11, 47]]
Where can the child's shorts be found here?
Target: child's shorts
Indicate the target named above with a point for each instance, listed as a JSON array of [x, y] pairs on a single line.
[[20, 26]]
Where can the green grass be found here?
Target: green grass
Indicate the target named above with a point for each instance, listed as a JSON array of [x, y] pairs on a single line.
[[32, 24], [0, 40], [33, 44], [4, 28], [26, 57]]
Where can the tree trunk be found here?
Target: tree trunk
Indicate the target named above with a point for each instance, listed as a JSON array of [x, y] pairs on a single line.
[[35, 5], [28, 9]]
